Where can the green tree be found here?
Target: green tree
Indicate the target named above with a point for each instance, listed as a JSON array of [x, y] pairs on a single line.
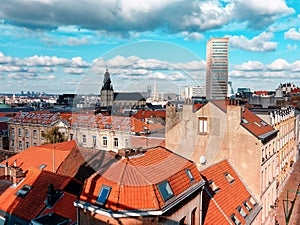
[[53, 136]]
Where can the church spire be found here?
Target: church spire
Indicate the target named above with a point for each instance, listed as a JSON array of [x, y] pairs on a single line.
[[107, 82]]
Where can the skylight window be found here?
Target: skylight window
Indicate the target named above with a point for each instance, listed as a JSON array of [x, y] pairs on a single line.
[[103, 194], [241, 211], [263, 123], [42, 166], [235, 220], [247, 206], [245, 121], [165, 190], [190, 175], [24, 190], [229, 178], [252, 201], [215, 188], [257, 124]]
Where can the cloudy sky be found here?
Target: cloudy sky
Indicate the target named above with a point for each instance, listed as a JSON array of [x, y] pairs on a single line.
[[63, 46]]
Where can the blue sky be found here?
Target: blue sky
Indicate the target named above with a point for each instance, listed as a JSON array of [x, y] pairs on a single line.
[[64, 46]]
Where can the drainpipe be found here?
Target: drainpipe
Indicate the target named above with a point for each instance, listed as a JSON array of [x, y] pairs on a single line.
[[201, 207]]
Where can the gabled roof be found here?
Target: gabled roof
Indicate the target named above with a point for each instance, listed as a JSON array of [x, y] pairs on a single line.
[[33, 203], [254, 124], [128, 96], [36, 156], [219, 206], [135, 185], [81, 163], [221, 104]]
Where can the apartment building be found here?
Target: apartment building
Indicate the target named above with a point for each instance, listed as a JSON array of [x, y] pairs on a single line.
[[285, 121], [223, 129]]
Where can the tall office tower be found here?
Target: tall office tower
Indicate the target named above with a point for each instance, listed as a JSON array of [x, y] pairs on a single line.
[[217, 68]]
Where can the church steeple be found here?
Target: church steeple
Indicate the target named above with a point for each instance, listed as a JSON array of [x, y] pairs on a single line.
[[107, 91], [107, 82]]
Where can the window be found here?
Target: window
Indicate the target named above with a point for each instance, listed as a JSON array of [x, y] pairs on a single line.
[[103, 194], [24, 190], [116, 142], [42, 134], [193, 216], [182, 221], [34, 144], [27, 133], [42, 166], [202, 123], [247, 206], [83, 138], [235, 220], [71, 137], [190, 175], [215, 188], [165, 190], [27, 145], [241, 211], [12, 132], [34, 134], [20, 145], [94, 141], [104, 141], [229, 178], [126, 142], [20, 132], [13, 144], [252, 201]]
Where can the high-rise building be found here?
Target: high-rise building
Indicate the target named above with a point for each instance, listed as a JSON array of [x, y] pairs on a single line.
[[217, 68]]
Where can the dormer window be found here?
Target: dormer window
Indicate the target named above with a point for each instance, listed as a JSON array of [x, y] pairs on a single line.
[[165, 190], [229, 178], [241, 211], [215, 188], [190, 175], [252, 201], [103, 194], [247, 206], [235, 220]]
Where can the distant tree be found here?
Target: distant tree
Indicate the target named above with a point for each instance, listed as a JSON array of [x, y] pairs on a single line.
[[53, 136]]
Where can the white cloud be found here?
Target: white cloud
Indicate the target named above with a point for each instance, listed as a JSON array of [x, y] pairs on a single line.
[[250, 66], [194, 36], [260, 43], [292, 34], [278, 65], [77, 71], [291, 47]]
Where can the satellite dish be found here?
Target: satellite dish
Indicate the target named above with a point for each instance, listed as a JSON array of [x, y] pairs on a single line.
[[202, 159]]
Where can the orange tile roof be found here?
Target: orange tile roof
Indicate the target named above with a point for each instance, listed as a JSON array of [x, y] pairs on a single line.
[[81, 163], [35, 156], [134, 186], [63, 146], [228, 198], [255, 125], [146, 142], [64, 207], [143, 114], [33, 203]]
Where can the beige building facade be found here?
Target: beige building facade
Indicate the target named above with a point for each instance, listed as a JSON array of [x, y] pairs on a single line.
[[224, 130]]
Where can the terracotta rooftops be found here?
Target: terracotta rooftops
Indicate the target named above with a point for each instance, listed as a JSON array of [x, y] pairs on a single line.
[[225, 196], [27, 200], [144, 114], [42, 157], [150, 180], [257, 126], [38, 117]]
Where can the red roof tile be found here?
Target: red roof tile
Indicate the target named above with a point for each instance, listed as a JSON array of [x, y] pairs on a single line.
[[255, 124], [37, 117], [33, 203], [35, 156], [135, 184], [144, 114], [64, 207], [228, 198]]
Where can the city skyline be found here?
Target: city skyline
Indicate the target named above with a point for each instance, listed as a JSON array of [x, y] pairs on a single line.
[[63, 46]]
